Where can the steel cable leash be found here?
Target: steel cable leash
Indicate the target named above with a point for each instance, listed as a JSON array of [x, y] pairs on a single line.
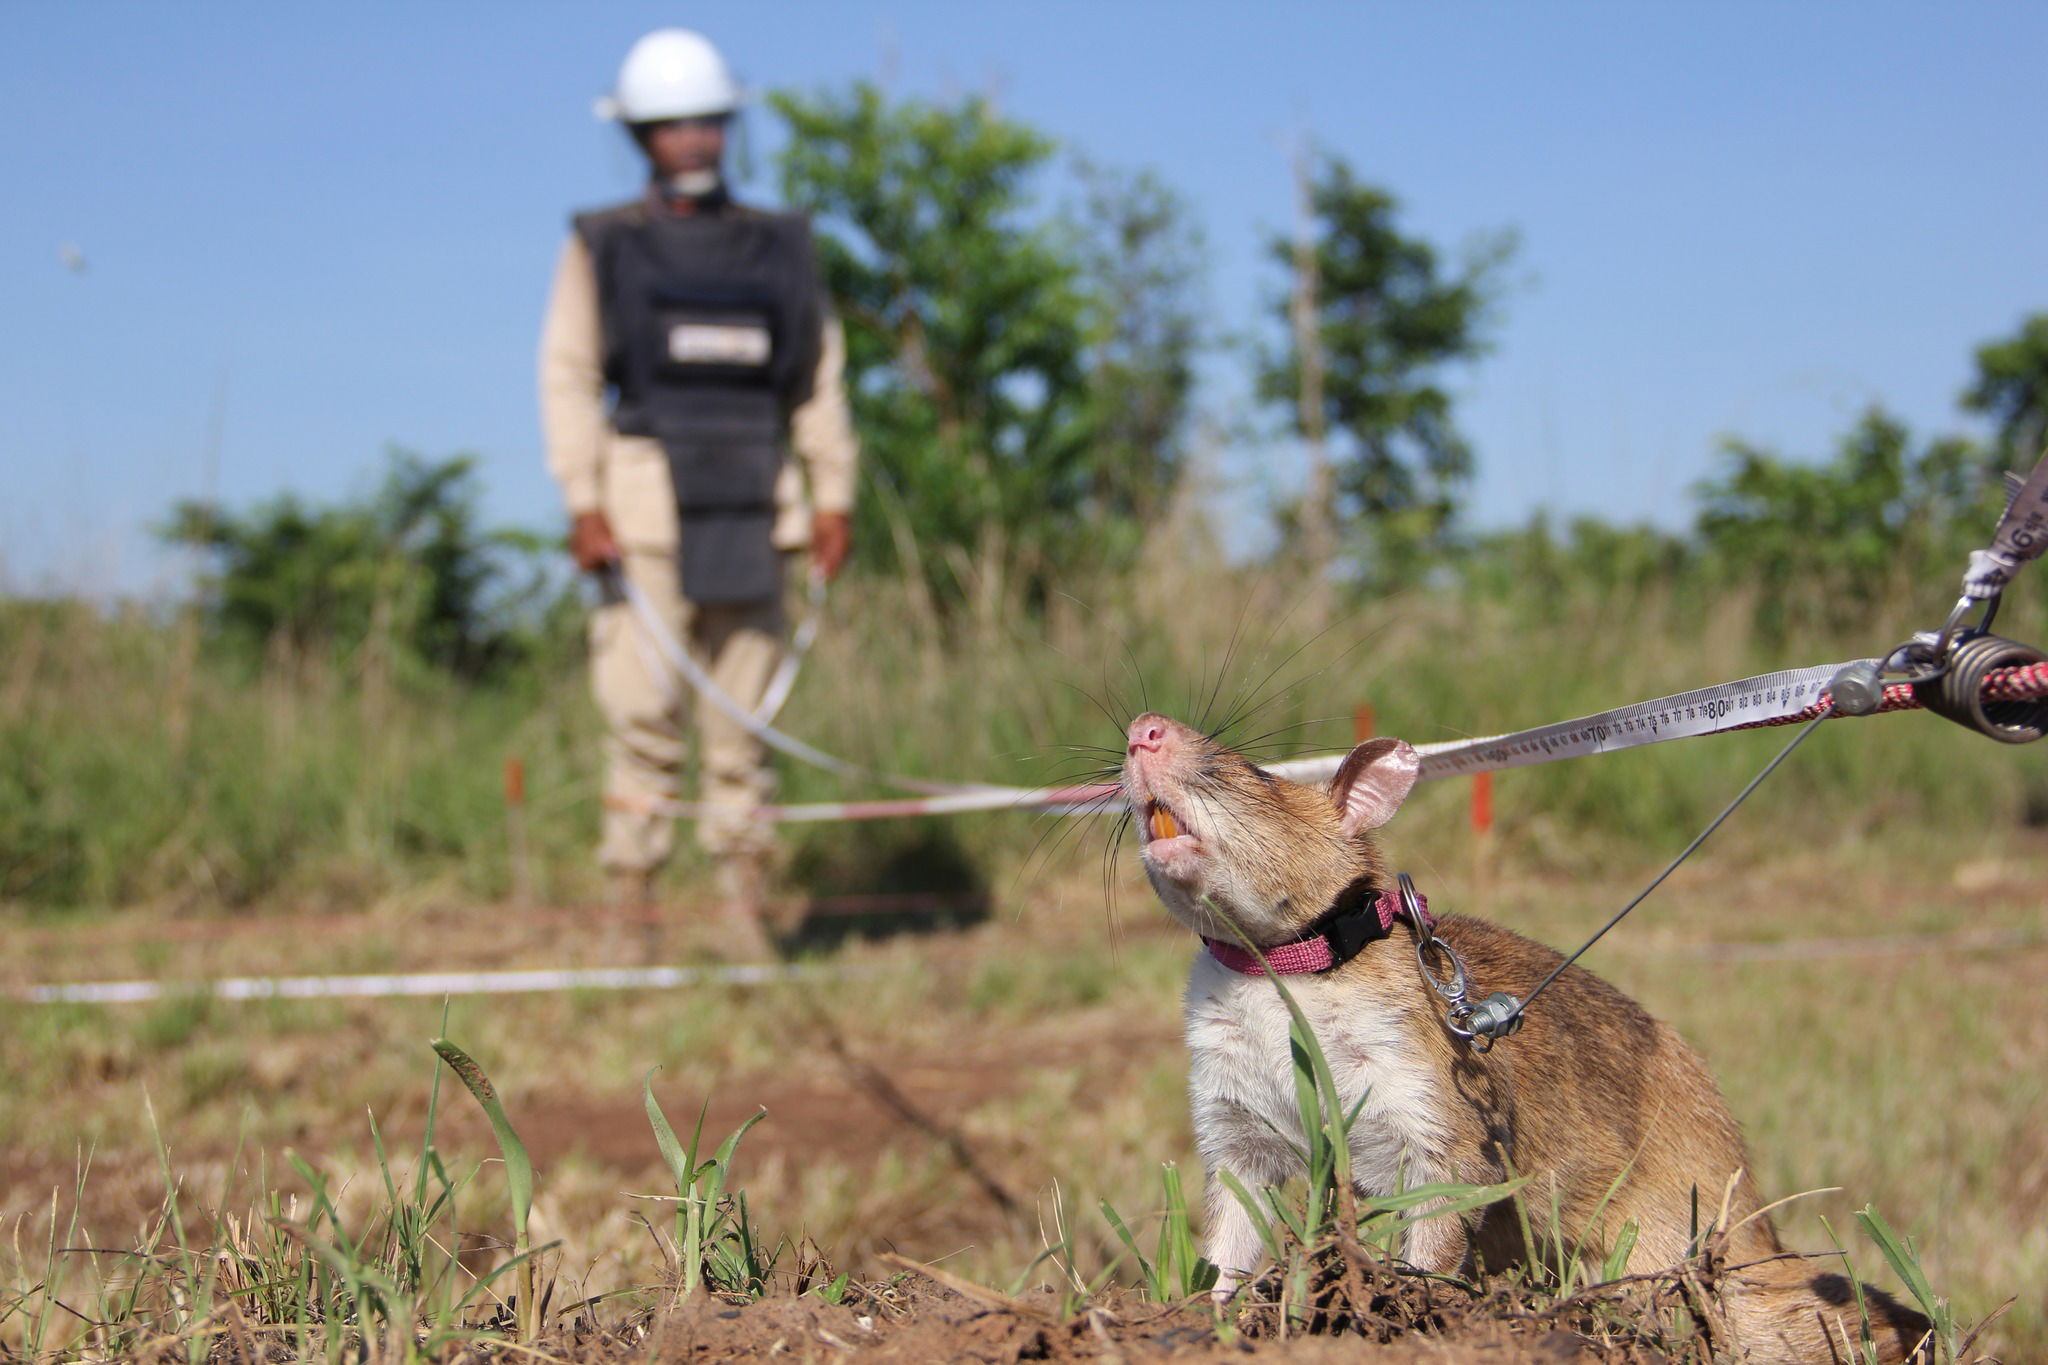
[[784, 681], [1500, 1013]]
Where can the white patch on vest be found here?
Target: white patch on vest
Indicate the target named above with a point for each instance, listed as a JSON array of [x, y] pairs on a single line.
[[1241, 1077], [718, 343]]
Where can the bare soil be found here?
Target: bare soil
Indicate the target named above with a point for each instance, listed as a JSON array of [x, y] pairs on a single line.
[[912, 1320], [920, 1323], [854, 1107], [851, 1115]]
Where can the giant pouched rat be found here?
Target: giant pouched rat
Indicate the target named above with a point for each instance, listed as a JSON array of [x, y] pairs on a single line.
[[1613, 1116]]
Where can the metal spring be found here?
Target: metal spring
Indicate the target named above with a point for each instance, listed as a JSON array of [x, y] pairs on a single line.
[[1958, 693]]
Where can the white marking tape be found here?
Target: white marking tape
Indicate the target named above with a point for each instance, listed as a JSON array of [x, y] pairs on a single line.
[[438, 983]]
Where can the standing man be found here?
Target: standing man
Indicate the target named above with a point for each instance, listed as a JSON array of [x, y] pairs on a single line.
[[688, 345]]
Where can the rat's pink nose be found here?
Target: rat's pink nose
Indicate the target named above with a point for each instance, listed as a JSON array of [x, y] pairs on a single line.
[[1147, 732]]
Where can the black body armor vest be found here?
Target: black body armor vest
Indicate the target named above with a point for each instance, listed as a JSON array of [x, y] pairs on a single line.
[[711, 338]]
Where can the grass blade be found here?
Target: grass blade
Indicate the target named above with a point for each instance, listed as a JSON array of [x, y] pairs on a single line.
[[518, 1174], [518, 1165]]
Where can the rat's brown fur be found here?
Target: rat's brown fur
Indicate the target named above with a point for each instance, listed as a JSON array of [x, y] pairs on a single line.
[[1612, 1115]]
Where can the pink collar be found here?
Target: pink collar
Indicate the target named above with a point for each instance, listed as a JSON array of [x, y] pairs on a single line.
[[1340, 935]]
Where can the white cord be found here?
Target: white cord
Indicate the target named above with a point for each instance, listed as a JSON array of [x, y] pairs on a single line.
[[655, 632]]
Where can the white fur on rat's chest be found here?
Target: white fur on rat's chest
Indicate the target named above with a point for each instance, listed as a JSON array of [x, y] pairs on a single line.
[[1241, 1075]]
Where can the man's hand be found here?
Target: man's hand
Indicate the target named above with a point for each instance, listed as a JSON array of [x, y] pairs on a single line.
[[592, 543], [831, 538]]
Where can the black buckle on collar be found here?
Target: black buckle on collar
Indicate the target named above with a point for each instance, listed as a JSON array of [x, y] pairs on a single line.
[[1352, 923]]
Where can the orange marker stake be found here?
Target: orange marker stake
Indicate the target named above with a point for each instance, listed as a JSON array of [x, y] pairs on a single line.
[[1482, 838], [1361, 722], [515, 831]]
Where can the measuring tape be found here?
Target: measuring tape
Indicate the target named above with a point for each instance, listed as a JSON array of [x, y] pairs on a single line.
[[1739, 705], [1748, 703]]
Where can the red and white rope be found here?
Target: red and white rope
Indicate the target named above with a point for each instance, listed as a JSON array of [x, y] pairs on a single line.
[[2021, 682]]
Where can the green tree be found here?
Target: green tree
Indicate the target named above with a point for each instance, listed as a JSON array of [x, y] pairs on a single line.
[[408, 565], [1874, 521], [1390, 318], [1545, 572], [2012, 389], [1141, 265], [967, 325]]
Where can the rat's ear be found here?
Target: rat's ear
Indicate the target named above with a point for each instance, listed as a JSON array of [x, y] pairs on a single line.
[[1373, 781]]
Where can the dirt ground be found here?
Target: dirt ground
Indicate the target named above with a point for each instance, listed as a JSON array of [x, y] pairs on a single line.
[[920, 1322], [853, 1116], [921, 1313], [913, 1322], [962, 1091]]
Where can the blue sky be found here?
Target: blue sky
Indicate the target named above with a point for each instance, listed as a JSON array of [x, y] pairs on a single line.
[[330, 227]]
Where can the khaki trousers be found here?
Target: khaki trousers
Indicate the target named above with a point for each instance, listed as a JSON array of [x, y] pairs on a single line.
[[646, 706]]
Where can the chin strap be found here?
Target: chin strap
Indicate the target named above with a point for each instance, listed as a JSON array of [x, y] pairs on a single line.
[[688, 194]]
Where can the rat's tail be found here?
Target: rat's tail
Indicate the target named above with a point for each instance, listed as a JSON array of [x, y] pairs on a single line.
[[1790, 1312]]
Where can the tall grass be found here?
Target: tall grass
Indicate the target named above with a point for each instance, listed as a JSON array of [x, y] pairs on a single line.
[[305, 779], [293, 779]]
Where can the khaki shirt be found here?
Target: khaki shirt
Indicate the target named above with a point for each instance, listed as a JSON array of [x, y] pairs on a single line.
[[627, 477]]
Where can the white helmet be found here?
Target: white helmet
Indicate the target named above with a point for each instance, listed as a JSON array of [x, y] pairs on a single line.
[[671, 73]]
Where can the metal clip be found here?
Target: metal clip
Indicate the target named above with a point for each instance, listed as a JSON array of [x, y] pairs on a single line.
[[1452, 989], [1458, 1017], [1951, 629], [1483, 1025], [2015, 541]]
